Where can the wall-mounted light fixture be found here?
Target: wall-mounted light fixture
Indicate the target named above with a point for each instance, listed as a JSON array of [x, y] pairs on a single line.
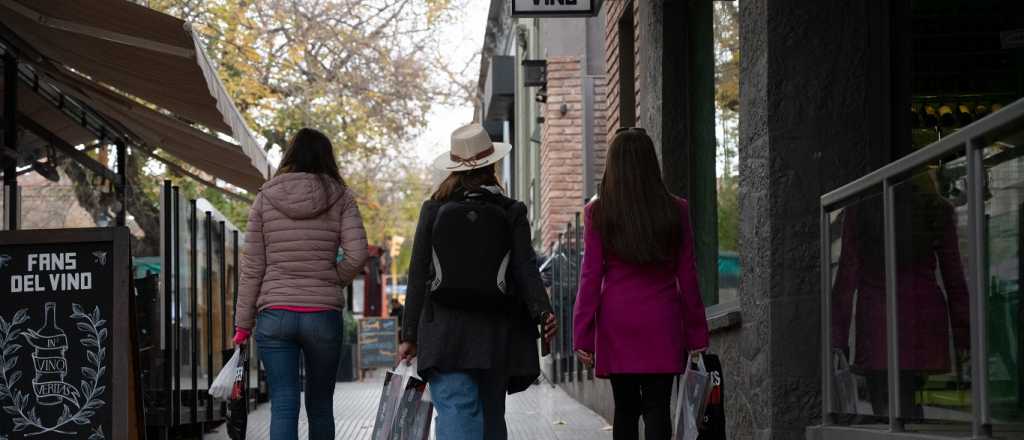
[[535, 73]]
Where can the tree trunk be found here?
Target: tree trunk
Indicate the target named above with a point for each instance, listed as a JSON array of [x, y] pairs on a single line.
[[98, 198]]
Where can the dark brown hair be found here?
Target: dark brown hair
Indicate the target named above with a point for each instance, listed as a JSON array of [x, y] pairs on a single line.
[[470, 180], [638, 218], [310, 151]]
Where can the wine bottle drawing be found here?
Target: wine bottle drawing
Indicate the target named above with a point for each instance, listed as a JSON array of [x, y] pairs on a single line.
[[49, 360]]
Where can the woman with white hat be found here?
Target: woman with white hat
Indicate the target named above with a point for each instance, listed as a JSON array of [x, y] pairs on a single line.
[[475, 297]]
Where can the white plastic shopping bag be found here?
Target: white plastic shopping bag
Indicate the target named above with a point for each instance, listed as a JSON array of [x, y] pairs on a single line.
[[844, 390], [405, 409], [693, 395], [225, 380]]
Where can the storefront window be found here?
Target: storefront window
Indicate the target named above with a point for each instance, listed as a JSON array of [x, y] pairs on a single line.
[[727, 102], [963, 65]]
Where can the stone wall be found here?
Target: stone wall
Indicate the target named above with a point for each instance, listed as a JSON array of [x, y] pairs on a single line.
[[814, 90]]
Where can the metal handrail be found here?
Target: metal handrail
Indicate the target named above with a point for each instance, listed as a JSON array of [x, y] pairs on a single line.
[[969, 141]]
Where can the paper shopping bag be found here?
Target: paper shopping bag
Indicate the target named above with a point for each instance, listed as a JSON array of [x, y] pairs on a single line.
[[405, 408]]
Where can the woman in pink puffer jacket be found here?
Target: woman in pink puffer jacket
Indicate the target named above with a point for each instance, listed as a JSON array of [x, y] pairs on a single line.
[[291, 276]]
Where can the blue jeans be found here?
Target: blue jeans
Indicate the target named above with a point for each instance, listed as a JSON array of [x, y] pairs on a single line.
[[281, 336], [470, 405], [460, 413]]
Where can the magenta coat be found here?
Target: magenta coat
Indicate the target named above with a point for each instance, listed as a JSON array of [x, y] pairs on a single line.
[[927, 312], [638, 319]]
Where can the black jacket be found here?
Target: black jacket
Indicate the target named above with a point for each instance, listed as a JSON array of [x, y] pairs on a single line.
[[450, 339]]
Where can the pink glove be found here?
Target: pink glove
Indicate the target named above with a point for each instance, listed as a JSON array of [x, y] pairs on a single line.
[[241, 335]]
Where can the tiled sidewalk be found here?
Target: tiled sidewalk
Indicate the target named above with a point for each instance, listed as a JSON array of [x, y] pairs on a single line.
[[542, 412]]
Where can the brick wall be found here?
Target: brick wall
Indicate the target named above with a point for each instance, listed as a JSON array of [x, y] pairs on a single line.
[[561, 154], [600, 126], [614, 10]]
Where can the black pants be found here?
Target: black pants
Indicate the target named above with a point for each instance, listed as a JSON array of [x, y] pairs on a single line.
[[647, 395], [878, 392]]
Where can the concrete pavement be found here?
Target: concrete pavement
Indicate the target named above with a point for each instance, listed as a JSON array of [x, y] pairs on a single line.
[[540, 413]]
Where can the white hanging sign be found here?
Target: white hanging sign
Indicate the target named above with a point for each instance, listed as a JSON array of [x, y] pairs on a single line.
[[554, 8]]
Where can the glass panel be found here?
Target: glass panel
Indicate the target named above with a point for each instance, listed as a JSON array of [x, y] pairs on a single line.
[[727, 115], [202, 306], [933, 298], [857, 265], [1004, 172], [184, 295]]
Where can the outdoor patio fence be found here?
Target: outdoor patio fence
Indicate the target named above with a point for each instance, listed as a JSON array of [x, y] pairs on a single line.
[[186, 313]]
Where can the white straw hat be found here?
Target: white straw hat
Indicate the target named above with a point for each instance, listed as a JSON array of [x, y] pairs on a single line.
[[471, 149]]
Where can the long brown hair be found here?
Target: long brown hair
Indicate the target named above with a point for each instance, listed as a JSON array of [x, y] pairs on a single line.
[[310, 151], [470, 180], [638, 218]]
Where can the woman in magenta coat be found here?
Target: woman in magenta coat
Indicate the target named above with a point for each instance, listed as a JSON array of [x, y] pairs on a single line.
[[638, 311], [931, 310]]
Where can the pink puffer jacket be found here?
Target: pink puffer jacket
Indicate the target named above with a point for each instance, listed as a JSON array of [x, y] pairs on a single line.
[[296, 225]]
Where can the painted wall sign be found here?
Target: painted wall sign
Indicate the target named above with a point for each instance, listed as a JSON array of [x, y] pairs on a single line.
[[378, 343], [65, 361], [554, 8]]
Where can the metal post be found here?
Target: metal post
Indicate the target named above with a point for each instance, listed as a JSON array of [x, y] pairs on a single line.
[[10, 184], [577, 252], [174, 281], [892, 303], [222, 239], [193, 226], [982, 425], [825, 262], [167, 337], [122, 184], [208, 278]]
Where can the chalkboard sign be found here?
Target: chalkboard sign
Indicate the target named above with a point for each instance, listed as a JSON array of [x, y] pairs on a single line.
[[378, 343], [67, 352]]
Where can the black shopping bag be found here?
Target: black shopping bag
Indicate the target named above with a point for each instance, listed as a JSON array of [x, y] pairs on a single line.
[[713, 424], [238, 404], [405, 410]]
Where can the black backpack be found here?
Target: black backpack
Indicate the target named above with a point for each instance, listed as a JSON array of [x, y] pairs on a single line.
[[471, 244]]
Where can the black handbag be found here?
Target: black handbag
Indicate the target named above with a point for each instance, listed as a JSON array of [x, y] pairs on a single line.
[[713, 424], [238, 404]]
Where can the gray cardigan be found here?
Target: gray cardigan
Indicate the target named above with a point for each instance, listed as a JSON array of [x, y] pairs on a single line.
[[450, 339]]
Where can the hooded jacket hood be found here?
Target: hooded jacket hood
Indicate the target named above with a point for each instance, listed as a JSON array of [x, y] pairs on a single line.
[[302, 195]]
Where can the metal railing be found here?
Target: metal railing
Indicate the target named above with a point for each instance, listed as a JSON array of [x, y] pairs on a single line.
[[965, 159], [562, 268]]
